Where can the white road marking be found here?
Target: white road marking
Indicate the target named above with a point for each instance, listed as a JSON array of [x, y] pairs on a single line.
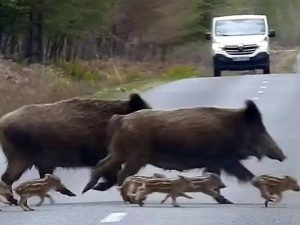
[[114, 217], [260, 92], [255, 98], [263, 87], [265, 82]]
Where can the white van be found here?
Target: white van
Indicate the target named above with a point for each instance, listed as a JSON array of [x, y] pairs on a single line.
[[240, 42]]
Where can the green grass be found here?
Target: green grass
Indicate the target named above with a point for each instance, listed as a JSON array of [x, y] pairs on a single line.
[[171, 74]]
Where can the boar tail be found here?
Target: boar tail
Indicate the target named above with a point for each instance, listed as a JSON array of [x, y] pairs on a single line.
[[252, 112]]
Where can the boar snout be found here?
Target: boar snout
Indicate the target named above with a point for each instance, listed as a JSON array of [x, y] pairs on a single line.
[[271, 149], [296, 188]]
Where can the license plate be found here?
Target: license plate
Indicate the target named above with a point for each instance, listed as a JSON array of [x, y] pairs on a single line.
[[241, 59]]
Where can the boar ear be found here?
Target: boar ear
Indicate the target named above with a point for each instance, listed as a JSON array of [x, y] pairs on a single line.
[[252, 113], [137, 103]]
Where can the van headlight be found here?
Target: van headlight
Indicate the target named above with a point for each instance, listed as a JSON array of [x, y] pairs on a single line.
[[263, 46], [217, 47]]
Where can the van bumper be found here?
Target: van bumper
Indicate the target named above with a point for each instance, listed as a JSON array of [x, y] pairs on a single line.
[[260, 61]]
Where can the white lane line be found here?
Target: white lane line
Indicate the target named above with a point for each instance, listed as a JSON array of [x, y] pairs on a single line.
[[114, 217], [263, 87], [255, 98], [260, 92], [265, 82]]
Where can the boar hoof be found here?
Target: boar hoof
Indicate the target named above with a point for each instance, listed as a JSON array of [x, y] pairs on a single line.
[[13, 201], [102, 186], [266, 203], [67, 192], [222, 200]]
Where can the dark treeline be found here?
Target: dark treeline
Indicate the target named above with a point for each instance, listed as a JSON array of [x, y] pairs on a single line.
[[52, 30]]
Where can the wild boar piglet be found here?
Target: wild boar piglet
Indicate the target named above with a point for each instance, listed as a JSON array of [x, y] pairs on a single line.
[[40, 187], [271, 186], [173, 187], [130, 185], [6, 192], [209, 184]]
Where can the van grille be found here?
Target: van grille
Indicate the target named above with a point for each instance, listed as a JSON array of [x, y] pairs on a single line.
[[240, 50]]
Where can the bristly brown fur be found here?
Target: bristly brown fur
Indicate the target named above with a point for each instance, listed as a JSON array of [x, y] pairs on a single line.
[[69, 133], [182, 139]]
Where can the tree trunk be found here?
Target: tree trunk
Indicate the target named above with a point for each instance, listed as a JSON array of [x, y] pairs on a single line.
[[35, 42]]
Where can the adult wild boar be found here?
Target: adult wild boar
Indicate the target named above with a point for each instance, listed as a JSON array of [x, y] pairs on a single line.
[[182, 139], [69, 133]]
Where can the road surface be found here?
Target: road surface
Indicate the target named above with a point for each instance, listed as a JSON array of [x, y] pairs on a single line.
[[277, 96]]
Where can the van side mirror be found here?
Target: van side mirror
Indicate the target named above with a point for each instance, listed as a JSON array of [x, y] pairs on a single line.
[[272, 33], [208, 36]]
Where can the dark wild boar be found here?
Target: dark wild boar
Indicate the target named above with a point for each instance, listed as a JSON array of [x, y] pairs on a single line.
[[69, 133], [183, 139]]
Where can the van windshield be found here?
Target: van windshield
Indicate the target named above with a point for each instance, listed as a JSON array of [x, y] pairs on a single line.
[[240, 27]]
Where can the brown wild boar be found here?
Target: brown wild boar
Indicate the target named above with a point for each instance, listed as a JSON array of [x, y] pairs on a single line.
[[39, 187], [182, 139], [173, 187], [269, 186], [130, 185], [69, 133], [210, 184], [6, 192]]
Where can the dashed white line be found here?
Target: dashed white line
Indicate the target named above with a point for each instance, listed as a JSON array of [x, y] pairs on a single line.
[[114, 217], [265, 82], [260, 92], [255, 98], [263, 87]]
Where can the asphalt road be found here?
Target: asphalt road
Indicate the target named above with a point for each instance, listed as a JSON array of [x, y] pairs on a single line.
[[277, 97]]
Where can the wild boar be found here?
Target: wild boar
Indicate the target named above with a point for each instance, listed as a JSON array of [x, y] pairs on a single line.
[[69, 133], [269, 186], [6, 192], [173, 187], [130, 185], [210, 184], [39, 187], [182, 139]]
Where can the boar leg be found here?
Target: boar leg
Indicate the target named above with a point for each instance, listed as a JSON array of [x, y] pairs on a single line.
[[110, 177], [41, 201], [23, 204], [238, 170], [165, 199], [185, 195], [217, 196], [174, 203], [43, 171], [107, 164], [212, 169], [129, 169], [14, 170]]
